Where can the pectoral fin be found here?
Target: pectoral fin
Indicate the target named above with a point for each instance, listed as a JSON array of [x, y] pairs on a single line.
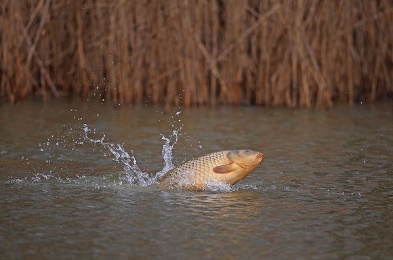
[[226, 168]]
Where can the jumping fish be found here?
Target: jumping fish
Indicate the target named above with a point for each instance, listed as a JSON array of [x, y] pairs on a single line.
[[226, 166]]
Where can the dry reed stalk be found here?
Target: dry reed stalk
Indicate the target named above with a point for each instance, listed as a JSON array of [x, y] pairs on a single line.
[[284, 53], [211, 39]]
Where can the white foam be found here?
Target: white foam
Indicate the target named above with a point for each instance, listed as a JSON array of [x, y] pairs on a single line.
[[214, 185]]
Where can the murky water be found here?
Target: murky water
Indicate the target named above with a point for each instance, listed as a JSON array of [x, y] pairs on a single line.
[[77, 181]]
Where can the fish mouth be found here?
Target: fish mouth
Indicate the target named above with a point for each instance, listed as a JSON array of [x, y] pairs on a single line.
[[257, 161], [260, 157]]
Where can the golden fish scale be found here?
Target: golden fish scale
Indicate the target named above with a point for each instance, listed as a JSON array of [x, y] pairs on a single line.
[[201, 169], [198, 170]]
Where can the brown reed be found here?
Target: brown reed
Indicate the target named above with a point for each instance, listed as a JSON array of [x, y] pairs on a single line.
[[294, 53]]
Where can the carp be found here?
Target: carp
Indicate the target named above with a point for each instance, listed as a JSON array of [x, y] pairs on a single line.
[[228, 167]]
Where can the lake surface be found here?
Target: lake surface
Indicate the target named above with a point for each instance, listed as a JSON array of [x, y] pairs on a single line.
[[74, 183]]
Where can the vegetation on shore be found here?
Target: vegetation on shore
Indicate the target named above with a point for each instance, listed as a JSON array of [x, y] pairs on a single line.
[[294, 53]]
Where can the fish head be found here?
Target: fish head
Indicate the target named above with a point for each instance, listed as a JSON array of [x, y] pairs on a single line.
[[246, 158], [242, 163]]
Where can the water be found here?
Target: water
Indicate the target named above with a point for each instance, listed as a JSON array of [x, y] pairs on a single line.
[[77, 180]]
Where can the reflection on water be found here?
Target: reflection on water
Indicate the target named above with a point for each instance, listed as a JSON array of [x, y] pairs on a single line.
[[323, 190]]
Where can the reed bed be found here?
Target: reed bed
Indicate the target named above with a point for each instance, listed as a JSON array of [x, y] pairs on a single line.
[[294, 53]]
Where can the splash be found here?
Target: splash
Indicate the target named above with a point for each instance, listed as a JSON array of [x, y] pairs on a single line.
[[133, 173], [167, 154]]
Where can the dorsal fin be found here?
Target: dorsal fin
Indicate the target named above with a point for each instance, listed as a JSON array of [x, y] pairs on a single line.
[[226, 168]]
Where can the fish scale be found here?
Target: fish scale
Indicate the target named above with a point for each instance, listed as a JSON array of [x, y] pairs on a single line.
[[196, 170]]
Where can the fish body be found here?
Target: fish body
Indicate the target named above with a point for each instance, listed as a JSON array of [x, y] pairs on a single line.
[[226, 166]]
